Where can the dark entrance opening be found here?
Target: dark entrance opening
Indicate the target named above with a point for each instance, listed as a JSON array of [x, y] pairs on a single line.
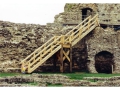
[[104, 62], [86, 12]]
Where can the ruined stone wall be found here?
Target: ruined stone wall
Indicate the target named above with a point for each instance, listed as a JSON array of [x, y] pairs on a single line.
[[73, 13], [17, 41], [109, 13], [103, 40], [76, 7], [68, 18]]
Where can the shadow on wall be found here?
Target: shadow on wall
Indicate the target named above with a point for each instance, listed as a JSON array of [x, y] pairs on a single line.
[[104, 62]]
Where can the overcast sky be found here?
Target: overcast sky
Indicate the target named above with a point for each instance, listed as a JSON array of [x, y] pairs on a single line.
[[32, 11], [29, 11]]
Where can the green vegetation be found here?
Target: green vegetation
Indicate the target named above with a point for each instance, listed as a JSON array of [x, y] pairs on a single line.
[[80, 76], [54, 85], [76, 76], [69, 6], [72, 76], [9, 74]]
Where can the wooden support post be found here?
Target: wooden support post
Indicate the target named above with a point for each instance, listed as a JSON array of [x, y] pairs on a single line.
[[61, 59], [70, 58], [28, 67], [54, 63]]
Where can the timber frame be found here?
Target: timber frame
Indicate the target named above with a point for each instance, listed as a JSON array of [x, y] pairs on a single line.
[[63, 43]]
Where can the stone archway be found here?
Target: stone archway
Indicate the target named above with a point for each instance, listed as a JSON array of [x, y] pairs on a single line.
[[104, 62], [86, 12]]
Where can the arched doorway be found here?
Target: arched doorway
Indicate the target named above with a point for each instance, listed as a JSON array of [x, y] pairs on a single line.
[[104, 62], [86, 12]]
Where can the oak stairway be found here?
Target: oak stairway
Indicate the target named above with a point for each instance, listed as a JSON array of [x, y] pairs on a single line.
[[59, 43]]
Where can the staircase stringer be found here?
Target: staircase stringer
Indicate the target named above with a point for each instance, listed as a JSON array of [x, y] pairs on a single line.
[[40, 55]]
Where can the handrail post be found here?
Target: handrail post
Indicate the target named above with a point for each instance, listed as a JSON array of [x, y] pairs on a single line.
[[28, 66], [89, 23], [34, 56], [80, 31], [70, 39], [61, 59], [97, 20], [55, 37], [62, 39], [51, 47]]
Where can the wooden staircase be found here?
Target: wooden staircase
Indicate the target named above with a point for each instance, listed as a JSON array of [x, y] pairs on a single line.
[[61, 43]]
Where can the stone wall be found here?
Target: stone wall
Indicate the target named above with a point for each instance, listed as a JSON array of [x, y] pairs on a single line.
[[103, 40], [73, 13], [109, 13], [17, 41]]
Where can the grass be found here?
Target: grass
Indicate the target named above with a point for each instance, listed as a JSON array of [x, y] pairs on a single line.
[[72, 76], [54, 85], [80, 76], [9, 74]]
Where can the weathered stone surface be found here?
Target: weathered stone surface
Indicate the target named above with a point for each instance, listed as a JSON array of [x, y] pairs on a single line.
[[103, 40], [19, 40]]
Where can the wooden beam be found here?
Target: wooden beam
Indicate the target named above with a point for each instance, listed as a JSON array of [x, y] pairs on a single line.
[[61, 59], [37, 64], [66, 46], [40, 55], [66, 55], [71, 58]]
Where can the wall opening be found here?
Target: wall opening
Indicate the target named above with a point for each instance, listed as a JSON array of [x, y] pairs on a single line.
[[86, 12], [103, 26], [104, 62]]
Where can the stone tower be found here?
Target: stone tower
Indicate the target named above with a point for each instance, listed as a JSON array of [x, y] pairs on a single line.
[[103, 45]]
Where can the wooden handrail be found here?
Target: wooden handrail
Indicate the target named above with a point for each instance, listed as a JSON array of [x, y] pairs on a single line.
[[46, 48], [36, 50], [69, 33], [41, 54]]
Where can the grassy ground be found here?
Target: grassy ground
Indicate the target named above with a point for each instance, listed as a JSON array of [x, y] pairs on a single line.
[[77, 76], [54, 85], [9, 74], [71, 75], [81, 75]]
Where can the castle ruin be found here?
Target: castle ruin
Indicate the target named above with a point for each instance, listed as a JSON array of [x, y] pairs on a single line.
[[98, 52]]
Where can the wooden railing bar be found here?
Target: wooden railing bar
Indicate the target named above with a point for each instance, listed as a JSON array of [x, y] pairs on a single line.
[[44, 49], [78, 25], [37, 50], [45, 58], [41, 54]]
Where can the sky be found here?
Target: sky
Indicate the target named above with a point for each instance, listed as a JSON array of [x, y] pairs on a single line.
[[33, 11], [29, 11]]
